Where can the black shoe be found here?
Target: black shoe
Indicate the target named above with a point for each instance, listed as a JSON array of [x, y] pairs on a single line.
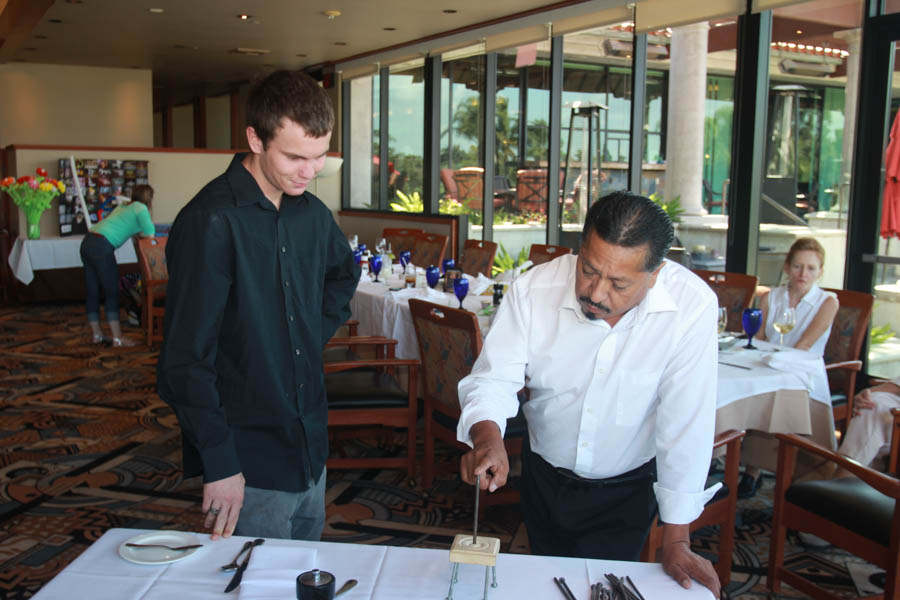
[[748, 485]]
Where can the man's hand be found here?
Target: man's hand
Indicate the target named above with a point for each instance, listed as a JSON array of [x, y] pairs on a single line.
[[222, 502], [682, 564], [487, 457], [862, 401]]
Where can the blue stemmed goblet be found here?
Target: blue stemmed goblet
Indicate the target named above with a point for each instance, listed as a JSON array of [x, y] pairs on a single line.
[[362, 248], [448, 263], [752, 321], [432, 274], [460, 288], [357, 256], [375, 265], [405, 258]]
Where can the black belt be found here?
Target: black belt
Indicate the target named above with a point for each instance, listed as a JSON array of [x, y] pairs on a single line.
[[645, 471]]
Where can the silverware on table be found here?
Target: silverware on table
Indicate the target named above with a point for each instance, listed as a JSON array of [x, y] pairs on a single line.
[[561, 584], [351, 583], [234, 564], [728, 364], [239, 574], [178, 548]]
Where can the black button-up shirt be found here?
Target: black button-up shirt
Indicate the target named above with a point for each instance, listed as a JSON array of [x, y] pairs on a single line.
[[254, 294]]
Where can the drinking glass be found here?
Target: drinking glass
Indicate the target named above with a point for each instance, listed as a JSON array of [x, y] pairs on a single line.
[[723, 319], [375, 265], [405, 257], [381, 246], [432, 274], [448, 263], [357, 255], [362, 248], [354, 241], [460, 288], [752, 321], [785, 320]]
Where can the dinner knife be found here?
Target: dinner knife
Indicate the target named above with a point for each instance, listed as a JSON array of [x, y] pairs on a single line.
[[239, 574]]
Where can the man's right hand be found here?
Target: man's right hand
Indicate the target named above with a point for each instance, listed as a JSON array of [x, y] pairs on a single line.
[[222, 501], [486, 458], [862, 401]]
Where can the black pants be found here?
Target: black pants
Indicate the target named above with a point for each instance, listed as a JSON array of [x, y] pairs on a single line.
[[567, 515]]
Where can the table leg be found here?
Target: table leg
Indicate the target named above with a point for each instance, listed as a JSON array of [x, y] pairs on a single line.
[[453, 573]]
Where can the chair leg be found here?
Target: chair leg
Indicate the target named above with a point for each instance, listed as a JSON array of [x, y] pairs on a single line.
[[147, 315], [411, 423], [428, 467], [785, 473]]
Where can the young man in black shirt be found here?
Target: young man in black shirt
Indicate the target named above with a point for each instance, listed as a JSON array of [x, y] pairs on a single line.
[[260, 277]]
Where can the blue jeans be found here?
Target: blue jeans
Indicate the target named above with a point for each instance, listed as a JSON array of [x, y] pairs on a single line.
[[100, 272], [285, 515]]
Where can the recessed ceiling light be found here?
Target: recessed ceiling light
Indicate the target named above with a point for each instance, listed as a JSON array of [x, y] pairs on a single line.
[[156, 11], [243, 17], [340, 43], [331, 14], [390, 29], [799, 32], [450, 11], [251, 51], [54, 20]]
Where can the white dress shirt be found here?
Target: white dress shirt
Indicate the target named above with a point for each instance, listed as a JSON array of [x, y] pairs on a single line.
[[605, 400], [805, 311]]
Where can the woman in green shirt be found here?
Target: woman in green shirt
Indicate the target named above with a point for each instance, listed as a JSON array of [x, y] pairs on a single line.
[[98, 255]]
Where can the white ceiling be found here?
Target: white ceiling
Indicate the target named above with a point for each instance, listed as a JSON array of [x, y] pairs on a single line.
[[190, 45]]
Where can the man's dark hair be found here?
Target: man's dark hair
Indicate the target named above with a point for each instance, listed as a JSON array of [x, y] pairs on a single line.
[[630, 220], [292, 95]]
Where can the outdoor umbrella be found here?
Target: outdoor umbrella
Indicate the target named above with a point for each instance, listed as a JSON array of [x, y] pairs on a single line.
[[890, 205]]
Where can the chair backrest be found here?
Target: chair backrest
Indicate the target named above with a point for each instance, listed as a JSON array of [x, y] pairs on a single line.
[[542, 253], [478, 257], [429, 249], [152, 259], [735, 292], [847, 331], [531, 189], [401, 238], [449, 342], [470, 186], [449, 183]]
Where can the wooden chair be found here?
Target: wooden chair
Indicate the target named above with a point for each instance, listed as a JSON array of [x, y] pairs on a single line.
[[155, 279], [401, 238], [895, 442], [531, 190], [449, 342], [478, 257], [364, 392], [470, 186], [858, 514], [429, 249], [735, 291], [720, 510], [842, 350], [542, 253]]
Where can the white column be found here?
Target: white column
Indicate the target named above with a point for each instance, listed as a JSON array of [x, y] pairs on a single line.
[[360, 150], [853, 37], [687, 100]]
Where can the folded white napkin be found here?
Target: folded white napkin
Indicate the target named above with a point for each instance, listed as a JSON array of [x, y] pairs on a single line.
[[273, 570], [479, 284], [792, 360], [407, 293]]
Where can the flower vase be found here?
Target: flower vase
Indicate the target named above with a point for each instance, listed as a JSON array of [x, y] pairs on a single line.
[[33, 219]]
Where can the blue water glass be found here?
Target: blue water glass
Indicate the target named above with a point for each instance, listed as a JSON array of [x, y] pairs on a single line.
[[357, 256], [448, 263], [461, 288], [752, 321], [362, 248], [375, 265], [432, 274], [405, 258]]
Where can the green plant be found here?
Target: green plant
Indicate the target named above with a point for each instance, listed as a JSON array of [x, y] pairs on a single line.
[[408, 203], [504, 262], [672, 208], [879, 335]]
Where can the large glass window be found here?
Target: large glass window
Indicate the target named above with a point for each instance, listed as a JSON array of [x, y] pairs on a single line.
[[406, 131], [364, 149]]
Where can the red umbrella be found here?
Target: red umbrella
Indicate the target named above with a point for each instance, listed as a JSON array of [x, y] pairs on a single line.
[[890, 205]]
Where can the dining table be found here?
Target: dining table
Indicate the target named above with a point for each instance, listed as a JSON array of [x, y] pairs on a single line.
[[383, 572]]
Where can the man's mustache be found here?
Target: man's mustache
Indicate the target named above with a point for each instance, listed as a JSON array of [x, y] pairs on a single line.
[[598, 305]]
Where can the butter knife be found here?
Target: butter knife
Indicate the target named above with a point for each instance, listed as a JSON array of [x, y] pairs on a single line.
[[239, 574]]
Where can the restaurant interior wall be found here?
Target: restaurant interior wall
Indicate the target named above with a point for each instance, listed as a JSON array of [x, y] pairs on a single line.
[[218, 122], [75, 105], [183, 126]]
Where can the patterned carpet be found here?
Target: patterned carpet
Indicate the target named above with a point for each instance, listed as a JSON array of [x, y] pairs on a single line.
[[85, 445]]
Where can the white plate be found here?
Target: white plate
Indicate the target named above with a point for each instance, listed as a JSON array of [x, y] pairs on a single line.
[[158, 556]]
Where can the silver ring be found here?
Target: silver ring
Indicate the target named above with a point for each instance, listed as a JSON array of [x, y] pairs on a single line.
[[214, 511]]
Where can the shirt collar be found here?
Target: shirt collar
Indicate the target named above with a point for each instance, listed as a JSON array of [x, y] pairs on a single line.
[[657, 300], [247, 190], [808, 297]]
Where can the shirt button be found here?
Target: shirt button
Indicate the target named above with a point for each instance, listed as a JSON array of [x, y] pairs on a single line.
[[300, 387], [291, 318], [297, 351], [584, 444], [287, 284], [283, 249]]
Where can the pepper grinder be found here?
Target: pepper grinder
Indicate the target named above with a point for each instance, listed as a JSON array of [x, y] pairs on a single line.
[[315, 585]]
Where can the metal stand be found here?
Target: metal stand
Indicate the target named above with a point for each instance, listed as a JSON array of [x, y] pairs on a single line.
[[490, 580]]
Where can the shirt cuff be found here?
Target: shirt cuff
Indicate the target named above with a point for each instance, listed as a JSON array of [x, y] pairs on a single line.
[[220, 461], [681, 508], [476, 415]]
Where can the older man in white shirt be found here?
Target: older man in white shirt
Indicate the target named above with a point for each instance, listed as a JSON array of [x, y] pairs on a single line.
[[618, 349]]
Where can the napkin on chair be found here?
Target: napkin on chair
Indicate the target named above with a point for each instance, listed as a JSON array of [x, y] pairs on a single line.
[[273, 570]]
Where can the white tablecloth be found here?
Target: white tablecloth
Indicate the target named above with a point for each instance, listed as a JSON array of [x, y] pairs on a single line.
[[383, 312], [388, 573], [28, 256]]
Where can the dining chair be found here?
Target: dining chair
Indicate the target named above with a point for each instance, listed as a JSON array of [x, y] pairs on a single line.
[[894, 457], [735, 292], [154, 279], [531, 190], [542, 253], [401, 238], [430, 249], [842, 350], [470, 186], [857, 514], [720, 510], [478, 257], [449, 342], [365, 392]]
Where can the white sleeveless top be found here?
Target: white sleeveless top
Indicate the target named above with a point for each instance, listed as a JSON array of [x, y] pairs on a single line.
[[804, 312]]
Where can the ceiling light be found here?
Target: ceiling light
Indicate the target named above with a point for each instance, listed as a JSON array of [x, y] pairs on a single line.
[[340, 43], [251, 51], [331, 14], [799, 32], [301, 55], [156, 11], [450, 11], [390, 29]]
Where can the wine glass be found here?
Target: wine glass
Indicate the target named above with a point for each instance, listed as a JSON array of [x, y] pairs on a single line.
[[381, 246], [405, 258], [354, 241], [785, 320], [752, 321], [432, 274], [723, 319], [448, 263], [375, 265], [460, 288], [357, 256], [362, 248]]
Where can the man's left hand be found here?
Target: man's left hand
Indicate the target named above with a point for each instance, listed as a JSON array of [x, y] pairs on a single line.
[[682, 565]]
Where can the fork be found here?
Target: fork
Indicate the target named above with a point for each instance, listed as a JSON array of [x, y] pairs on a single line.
[[233, 565], [179, 548]]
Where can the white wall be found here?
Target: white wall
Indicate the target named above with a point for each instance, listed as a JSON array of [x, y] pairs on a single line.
[[73, 105]]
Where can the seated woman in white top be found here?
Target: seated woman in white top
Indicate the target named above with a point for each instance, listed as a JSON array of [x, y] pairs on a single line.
[[814, 308]]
